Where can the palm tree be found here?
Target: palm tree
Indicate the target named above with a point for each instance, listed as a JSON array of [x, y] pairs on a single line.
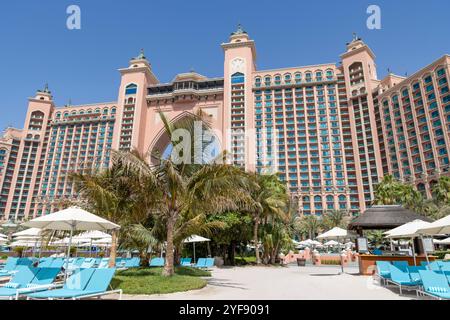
[[186, 191], [108, 193], [388, 191], [441, 190], [336, 218], [269, 199], [308, 225]]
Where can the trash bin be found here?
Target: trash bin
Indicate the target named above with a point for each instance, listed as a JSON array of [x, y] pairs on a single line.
[[301, 262]]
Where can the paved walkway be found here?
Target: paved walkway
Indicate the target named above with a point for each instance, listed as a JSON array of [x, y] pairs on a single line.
[[284, 283]]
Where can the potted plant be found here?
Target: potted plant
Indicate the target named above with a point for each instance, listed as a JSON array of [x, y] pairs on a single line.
[[301, 262]]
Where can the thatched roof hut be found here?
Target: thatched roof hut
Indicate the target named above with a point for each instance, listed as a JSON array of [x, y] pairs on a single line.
[[384, 218]]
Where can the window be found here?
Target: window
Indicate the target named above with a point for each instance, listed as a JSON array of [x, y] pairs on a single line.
[[237, 78], [131, 89]]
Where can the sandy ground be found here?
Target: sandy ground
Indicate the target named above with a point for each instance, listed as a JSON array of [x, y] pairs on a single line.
[[285, 283]]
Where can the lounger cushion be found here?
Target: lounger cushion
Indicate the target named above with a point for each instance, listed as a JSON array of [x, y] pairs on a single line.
[[437, 289], [11, 285], [7, 292], [61, 293]]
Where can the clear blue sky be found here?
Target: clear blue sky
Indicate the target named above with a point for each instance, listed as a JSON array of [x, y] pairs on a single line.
[[177, 35]]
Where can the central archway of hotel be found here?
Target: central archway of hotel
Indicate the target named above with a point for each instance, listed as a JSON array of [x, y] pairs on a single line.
[[161, 146]]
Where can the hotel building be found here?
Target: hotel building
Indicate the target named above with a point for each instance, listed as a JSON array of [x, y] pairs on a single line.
[[330, 130]]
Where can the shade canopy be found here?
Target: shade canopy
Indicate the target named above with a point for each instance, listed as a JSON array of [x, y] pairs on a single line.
[[3, 240], [385, 218], [92, 235], [408, 230], [31, 232], [441, 226], [331, 243], [65, 242], [73, 218], [445, 241], [23, 243], [335, 233], [3, 235], [194, 238], [310, 242]]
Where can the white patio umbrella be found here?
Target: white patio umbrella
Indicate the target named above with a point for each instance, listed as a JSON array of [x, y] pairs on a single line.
[[441, 226], [71, 219], [445, 241], [90, 236], [349, 244], [194, 239], [408, 230], [3, 241], [331, 243], [3, 235], [31, 232], [337, 234], [24, 243]]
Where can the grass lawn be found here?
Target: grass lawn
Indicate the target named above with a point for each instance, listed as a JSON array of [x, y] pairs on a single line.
[[150, 281]]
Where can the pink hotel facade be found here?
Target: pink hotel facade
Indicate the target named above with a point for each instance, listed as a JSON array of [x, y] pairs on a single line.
[[331, 131]]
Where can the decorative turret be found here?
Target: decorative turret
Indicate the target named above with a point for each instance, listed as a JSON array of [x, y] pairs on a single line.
[[140, 61], [240, 35], [44, 94]]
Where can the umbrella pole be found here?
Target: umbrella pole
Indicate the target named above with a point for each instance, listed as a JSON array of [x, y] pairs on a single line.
[[68, 254], [414, 251], [90, 249], [426, 253], [342, 260], [194, 252]]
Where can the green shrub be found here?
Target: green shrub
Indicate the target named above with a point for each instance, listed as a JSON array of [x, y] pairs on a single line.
[[331, 262], [441, 254]]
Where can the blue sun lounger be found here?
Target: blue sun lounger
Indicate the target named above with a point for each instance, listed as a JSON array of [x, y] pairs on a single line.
[[414, 272], [403, 280], [28, 280], [104, 263], [134, 262], [434, 285], [186, 262], [402, 265], [86, 283], [45, 262], [157, 262], [13, 265], [9, 266], [201, 263], [383, 271]]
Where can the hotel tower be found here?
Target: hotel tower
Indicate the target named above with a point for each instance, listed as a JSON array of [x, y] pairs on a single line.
[[331, 131]]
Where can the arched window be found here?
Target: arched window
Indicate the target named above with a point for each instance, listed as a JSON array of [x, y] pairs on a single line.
[[342, 198], [267, 80], [131, 89], [298, 77], [105, 111], [277, 79], [237, 78], [257, 81], [113, 110], [287, 78], [330, 198], [58, 115]]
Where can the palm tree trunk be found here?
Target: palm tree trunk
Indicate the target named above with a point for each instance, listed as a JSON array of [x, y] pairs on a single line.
[[168, 267], [113, 252], [255, 240]]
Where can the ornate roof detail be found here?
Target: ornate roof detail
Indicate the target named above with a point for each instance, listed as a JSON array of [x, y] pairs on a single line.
[[46, 90], [239, 30], [141, 56]]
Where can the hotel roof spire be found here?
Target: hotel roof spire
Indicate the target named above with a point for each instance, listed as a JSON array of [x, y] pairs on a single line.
[[239, 30]]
